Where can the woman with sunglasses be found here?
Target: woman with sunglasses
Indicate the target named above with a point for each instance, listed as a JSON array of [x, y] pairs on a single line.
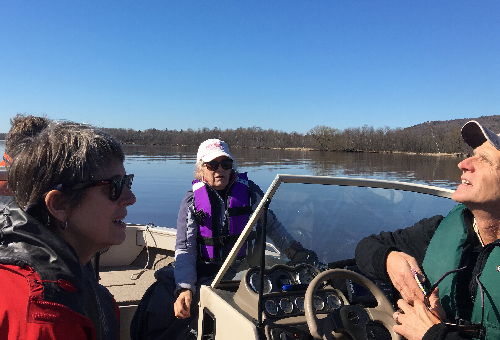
[[71, 196], [211, 218], [457, 257]]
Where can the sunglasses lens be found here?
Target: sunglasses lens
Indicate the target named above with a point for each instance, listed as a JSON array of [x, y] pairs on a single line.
[[117, 186], [127, 180], [116, 189], [212, 166], [227, 164]]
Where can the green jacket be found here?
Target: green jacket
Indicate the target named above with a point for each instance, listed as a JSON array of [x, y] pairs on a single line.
[[444, 254]]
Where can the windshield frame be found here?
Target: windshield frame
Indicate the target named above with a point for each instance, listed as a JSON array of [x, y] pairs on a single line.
[[323, 180]]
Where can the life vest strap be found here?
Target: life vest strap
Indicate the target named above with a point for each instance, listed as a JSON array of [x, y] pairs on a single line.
[[218, 240], [223, 240], [237, 211], [217, 259]]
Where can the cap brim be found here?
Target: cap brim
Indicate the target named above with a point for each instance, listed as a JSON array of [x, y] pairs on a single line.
[[213, 155], [475, 134]]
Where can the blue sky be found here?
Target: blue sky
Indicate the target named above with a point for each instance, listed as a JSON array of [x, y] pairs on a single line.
[[287, 65]]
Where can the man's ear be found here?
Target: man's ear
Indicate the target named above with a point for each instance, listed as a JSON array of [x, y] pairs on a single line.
[[57, 205]]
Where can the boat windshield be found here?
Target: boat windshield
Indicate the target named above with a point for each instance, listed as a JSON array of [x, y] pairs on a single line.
[[327, 217]]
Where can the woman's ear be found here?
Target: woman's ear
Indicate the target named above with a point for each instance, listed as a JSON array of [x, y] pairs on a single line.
[[57, 205]]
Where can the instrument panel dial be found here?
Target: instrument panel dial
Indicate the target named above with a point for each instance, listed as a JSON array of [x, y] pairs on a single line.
[[318, 303], [255, 283], [286, 305], [305, 275], [299, 302], [271, 307], [333, 301], [285, 279]]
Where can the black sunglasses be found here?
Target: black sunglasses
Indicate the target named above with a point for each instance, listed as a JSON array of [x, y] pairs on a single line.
[[117, 184], [478, 331], [226, 164]]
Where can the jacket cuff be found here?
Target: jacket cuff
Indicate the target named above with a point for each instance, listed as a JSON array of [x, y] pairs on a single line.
[[184, 286], [379, 260]]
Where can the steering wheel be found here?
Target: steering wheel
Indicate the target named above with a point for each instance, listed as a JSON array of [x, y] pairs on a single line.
[[348, 319]]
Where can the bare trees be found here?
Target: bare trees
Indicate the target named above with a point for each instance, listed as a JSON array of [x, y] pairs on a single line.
[[427, 138], [423, 140]]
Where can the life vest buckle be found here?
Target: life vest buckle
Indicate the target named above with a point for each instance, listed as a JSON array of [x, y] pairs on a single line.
[[199, 216]]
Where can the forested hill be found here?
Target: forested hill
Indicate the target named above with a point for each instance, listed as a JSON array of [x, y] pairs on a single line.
[[491, 122], [446, 134], [428, 137]]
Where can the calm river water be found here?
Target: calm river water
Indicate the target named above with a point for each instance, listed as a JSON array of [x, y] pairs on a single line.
[[163, 174]]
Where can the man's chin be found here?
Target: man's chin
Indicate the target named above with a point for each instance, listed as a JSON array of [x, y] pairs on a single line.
[[464, 199], [460, 195]]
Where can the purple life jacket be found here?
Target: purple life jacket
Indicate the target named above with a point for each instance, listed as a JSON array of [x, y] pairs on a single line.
[[239, 211]]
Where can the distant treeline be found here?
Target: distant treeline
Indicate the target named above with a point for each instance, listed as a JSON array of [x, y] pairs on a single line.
[[428, 137], [364, 139]]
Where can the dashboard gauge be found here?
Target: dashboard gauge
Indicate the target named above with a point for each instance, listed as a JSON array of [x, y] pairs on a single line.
[[299, 302], [271, 307], [284, 280], [318, 303], [254, 281], [286, 305], [333, 301], [305, 275]]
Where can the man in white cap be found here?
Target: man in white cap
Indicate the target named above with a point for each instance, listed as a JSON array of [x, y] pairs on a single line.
[[459, 254], [211, 218]]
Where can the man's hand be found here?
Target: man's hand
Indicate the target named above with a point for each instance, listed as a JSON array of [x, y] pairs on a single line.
[[414, 321], [182, 306], [398, 266]]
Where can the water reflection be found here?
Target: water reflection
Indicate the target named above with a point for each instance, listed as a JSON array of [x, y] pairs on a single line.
[[436, 170], [440, 171], [164, 174]]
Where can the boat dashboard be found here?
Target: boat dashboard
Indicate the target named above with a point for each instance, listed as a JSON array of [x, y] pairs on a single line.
[[284, 289], [285, 286], [284, 294]]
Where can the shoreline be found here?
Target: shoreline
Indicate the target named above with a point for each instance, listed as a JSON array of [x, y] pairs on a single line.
[[444, 154]]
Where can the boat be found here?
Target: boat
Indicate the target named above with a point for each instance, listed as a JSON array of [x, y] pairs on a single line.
[[3, 179], [267, 295]]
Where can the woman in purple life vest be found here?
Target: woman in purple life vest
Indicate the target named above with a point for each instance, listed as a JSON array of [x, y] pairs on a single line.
[[211, 217]]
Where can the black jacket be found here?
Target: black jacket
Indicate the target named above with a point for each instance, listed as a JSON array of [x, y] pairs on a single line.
[[371, 253], [25, 242]]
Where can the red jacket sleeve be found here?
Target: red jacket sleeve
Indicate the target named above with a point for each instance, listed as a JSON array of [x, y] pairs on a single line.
[[25, 315]]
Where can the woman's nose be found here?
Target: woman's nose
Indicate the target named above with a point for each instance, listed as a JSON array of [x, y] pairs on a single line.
[[128, 196]]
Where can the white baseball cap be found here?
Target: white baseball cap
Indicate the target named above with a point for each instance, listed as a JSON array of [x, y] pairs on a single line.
[[476, 134], [211, 149]]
